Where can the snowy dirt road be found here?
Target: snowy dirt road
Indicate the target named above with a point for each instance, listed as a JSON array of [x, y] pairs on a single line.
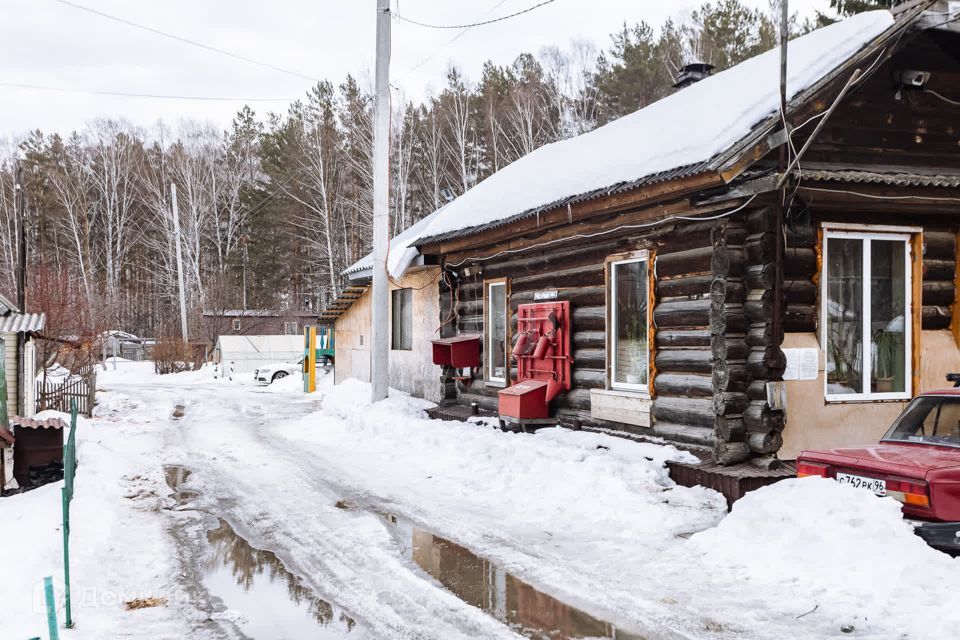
[[258, 512]]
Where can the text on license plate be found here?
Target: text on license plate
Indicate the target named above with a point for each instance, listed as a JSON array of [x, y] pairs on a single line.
[[876, 485]]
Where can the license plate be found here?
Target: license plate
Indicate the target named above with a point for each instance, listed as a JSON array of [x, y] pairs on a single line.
[[875, 485]]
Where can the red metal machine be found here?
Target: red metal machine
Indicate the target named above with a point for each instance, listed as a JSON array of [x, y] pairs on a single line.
[[544, 358]]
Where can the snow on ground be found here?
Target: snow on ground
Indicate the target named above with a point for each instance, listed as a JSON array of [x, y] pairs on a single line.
[[590, 519]]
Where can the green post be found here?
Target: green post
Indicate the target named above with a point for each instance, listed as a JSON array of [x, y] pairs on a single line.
[[66, 557], [4, 418], [66, 494], [51, 609]]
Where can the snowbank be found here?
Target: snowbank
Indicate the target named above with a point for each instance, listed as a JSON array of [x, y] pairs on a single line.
[[814, 543]]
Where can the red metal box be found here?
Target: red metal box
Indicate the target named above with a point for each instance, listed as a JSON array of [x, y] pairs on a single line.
[[458, 351], [525, 399]]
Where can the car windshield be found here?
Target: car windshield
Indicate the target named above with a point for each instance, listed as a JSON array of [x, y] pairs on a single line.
[[929, 419]]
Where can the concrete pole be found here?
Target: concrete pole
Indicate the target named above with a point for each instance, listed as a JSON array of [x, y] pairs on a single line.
[[176, 234], [380, 356]]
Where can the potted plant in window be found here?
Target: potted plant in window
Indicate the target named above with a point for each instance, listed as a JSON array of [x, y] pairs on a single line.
[[886, 354]]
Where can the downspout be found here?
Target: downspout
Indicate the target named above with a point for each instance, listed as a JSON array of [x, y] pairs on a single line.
[[776, 324]]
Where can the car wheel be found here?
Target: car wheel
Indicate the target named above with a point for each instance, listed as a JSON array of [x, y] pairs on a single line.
[[278, 375]]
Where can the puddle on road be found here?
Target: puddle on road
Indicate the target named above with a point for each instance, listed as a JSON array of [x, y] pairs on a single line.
[[489, 587], [176, 476], [273, 602]]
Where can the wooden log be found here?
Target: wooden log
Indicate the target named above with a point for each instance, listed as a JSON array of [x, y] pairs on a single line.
[[757, 390], [589, 378], [726, 290], [689, 262], [728, 453], [761, 335], [939, 245], [590, 318], [487, 403], [759, 417], [695, 412], [936, 293], [682, 313], [801, 236], [936, 317], [574, 399], [730, 377], [800, 318], [767, 462], [767, 363], [760, 220], [731, 318], [684, 433], [729, 403], [585, 276], [589, 339], [590, 358], [799, 262], [729, 429], [939, 270], [666, 338], [759, 305], [761, 276], [683, 286], [760, 248], [800, 291], [727, 262], [725, 347], [765, 442], [586, 296], [684, 361], [678, 384]]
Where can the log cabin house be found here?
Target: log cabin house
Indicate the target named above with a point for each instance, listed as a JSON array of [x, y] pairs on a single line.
[[738, 280]]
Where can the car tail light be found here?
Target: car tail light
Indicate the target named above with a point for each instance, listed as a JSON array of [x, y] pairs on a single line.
[[910, 492], [805, 469]]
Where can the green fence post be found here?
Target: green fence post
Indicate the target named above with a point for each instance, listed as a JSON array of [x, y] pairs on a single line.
[[66, 557], [69, 471], [51, 609]]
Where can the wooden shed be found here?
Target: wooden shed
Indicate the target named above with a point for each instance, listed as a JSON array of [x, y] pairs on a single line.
[[17, 331], [743, 282]]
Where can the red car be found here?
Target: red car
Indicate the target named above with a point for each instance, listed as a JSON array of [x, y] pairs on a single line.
[[917, 463]]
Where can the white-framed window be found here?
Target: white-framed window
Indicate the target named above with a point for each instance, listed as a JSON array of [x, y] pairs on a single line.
[[866, 315], [291, 328], [497, 366], [402, 319], [236, 324], [628, 344]]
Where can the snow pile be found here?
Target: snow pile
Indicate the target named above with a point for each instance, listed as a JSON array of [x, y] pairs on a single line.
[[813, 543], [401, 252], [686, 128], [287, 384]]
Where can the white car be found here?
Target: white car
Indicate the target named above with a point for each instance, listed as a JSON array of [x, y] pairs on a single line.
[[273, 372]]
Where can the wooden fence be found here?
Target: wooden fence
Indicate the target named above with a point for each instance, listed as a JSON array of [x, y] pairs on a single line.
[[81, 387]]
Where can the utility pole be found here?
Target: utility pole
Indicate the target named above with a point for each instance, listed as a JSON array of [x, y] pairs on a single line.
[[380, 363], [176, 234], [777, 320], [20, 373]]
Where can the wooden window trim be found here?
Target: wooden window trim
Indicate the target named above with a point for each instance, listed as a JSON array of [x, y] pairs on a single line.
[[488, 379], [913, 239], [641, 255]]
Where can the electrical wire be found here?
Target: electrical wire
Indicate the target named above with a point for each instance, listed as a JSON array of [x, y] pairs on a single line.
[[130, 94], [183, 40], [876, 197], [944, 98], [587, 236], [472, 24], [451, 41]]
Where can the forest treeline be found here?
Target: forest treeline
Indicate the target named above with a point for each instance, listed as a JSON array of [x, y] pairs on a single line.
[[273, 209]]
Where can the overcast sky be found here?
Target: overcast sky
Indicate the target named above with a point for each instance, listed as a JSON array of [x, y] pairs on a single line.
[[50, 44]]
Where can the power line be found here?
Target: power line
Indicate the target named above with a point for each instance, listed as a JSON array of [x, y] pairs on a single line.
[[469, 25], [451, 40], [130, 94], [183, 40]]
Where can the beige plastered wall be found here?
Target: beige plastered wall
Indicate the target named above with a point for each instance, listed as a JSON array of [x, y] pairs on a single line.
[[812, 423], [410, 371]]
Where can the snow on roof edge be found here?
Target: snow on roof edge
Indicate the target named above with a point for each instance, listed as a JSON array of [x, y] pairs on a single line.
[[706, 119]]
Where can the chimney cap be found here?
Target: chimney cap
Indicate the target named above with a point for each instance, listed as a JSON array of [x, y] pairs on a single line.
[[693, 72]]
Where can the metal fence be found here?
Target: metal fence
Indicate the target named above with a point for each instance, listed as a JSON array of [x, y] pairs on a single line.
[[59, 395]]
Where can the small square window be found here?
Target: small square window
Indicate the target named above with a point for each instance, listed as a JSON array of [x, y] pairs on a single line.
[[291, 328], [236, 324]]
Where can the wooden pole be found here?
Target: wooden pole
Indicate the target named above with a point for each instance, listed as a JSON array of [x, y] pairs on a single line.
[[380, 364], [176, 233]]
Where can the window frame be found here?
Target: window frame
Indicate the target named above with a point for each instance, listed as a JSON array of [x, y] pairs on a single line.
[[488, 287], [612, 263], [406, 319], [286, 328], [866, 235], [236, 324]]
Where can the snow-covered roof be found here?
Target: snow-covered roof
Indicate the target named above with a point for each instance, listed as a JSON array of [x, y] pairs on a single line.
[[683, 130], [402, 249]]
